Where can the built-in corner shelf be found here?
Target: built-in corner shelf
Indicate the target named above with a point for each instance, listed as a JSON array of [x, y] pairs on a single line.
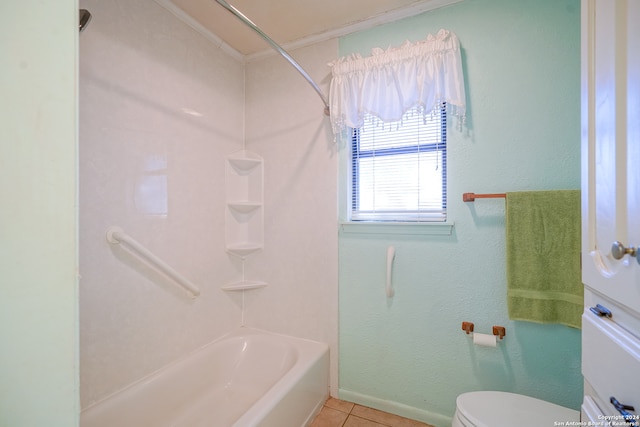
[[244, 207], [242, 250], [245, 211], [243, 162], [245, 216], [244, 285]]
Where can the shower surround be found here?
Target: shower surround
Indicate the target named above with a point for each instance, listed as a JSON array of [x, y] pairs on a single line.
[[160, 109]]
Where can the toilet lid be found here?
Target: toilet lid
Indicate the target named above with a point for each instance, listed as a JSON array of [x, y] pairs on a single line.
[[501, 409]]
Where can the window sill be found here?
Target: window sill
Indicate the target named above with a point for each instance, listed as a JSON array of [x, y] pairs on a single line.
[[413, 228]]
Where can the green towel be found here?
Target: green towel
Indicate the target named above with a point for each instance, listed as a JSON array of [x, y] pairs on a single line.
[[544, 282]]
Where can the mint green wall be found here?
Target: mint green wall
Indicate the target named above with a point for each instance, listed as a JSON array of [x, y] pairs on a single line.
[[409, 355], [38, 217]]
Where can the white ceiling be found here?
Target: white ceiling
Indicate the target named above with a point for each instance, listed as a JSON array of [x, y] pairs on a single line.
[[290, 22]]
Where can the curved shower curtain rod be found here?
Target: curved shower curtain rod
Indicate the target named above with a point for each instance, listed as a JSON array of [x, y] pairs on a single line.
[[278, 49]]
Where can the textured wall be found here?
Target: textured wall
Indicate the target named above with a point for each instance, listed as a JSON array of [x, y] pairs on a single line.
[[38, 218], [160, 108], [408, 355]]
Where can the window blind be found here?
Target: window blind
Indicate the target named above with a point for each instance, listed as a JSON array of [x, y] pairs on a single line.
[[398, 171]]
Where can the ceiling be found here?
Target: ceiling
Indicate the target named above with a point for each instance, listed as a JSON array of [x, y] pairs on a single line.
[[291, 21]]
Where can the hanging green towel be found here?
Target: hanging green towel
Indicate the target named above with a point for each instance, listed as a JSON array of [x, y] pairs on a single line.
[[544, 282]]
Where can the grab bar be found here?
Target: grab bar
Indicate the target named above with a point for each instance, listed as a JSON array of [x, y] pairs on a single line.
[[115, 235], [391, 255]]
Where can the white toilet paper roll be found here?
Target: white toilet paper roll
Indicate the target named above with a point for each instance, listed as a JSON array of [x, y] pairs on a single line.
[[484, 340]]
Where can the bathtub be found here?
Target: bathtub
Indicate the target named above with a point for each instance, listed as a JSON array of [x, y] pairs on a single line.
[[247, 378]]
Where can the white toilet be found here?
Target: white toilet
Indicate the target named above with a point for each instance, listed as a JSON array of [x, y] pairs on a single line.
[[501, 409]]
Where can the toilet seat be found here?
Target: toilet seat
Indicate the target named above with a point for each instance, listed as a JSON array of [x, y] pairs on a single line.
[[502, 409]]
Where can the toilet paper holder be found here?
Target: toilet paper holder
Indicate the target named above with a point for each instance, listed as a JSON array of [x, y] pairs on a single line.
[[499, 331], [467, 327]]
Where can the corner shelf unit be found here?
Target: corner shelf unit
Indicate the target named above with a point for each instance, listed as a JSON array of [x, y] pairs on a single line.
[[244, 214]]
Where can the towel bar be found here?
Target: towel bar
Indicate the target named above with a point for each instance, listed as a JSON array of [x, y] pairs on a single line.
[[471, 197]]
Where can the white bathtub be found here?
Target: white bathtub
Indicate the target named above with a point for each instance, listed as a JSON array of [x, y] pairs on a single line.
[[248, 378]]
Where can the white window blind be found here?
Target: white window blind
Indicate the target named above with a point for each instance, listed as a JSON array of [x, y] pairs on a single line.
[[398, 172]]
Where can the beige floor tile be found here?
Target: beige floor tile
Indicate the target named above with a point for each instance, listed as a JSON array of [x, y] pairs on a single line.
[[340, 405], [354, 421], [329, 417], [385, 418]]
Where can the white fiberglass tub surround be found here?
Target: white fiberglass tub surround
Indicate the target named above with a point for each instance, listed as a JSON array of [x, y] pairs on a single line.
[[247, 378]]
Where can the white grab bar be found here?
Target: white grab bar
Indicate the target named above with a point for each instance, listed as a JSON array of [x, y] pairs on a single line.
[[391, 255], [116, 235]]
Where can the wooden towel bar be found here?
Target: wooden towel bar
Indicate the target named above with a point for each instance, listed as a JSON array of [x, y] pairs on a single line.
[[471, 197]]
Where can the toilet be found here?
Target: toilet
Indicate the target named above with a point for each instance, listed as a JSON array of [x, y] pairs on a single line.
[[502, 409]]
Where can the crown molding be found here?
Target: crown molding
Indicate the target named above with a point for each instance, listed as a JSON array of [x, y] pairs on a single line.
[[380, 19]]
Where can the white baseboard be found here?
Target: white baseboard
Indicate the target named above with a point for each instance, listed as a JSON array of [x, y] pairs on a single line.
[[438, 420]]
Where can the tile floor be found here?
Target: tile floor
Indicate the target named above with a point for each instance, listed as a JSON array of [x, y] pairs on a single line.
[[340, 413]]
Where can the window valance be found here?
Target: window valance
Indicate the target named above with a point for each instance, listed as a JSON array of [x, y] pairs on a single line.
[[390, 82]]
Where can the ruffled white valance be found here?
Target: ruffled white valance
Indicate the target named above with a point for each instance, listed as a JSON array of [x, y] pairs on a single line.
[[390, 83]]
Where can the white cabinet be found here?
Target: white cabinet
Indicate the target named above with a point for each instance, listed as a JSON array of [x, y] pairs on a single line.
[[611, 210], [611, 147], [244, 218]]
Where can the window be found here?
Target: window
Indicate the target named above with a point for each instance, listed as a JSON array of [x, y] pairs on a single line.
[[399, 172]]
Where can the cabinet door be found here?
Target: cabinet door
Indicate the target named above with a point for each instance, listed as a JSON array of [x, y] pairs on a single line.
[[611, 147]]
